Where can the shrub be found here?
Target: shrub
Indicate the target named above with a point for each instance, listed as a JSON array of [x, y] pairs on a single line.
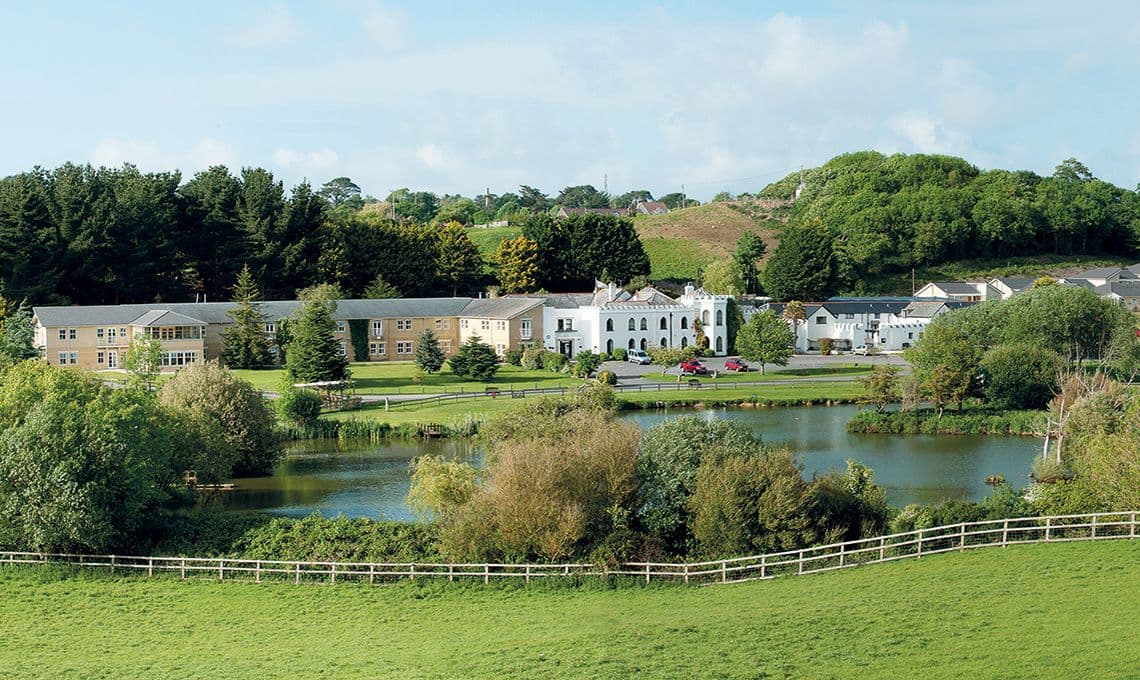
[[826, 345], [532, 358], [299, 406], [215, 398], [338, 539], [619, 354], [607, 378], [1020, 376], [440, 486], [553, 361], [514, 356], [585, 363], [475, 359]]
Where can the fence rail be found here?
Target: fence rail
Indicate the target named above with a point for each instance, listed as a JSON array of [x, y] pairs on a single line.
[[912, 544]]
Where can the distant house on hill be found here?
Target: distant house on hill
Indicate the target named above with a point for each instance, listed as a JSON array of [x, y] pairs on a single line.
[[652, 208], [966, 291], [1008, 286], [613, 212]]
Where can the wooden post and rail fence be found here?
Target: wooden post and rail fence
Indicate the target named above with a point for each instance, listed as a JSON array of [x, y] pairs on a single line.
[[912, 544]]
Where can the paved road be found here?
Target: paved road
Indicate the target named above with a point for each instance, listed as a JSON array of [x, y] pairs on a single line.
[[626, 371]]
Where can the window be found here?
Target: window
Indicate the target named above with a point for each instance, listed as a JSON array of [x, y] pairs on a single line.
[[343, 350], [684, 341], [485, 324], [820, 320], [500, 349], [99, 357], [609, 324], [610, 346], [664, 342], [684, 323], [377, 328], [631, 345], [376, 349], [63, 334], [98, 333], [875, 315], [705, 317], [463, 324], [403, 324], [719, 317], [443, 324], [632, 326], [524, 329], [270, 328], [500, 325], [848, 316], [339, 326], [445, 346], [63, 358], [404, 347], [664, 324], [719, 344], [644, 345], [644, 324], [910, 336], [566, 324], [178, 358]]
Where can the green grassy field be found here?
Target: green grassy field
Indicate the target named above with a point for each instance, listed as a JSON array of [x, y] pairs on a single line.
[[482, 407], [774, 373], [395, 377], [487, 240], [1048, 611], [675, 258]]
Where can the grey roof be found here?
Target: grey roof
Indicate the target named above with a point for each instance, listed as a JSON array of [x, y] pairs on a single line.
[[837, 307], [1129, 288], [1016, 283], [923, 310], [1078, 283], [568, 300], [1100, 273], [810, 308], [956, 287], [198, 313], [162, 317], [500, 308], [1135, 269]]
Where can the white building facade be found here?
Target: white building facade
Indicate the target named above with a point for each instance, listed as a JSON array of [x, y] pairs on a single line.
[[884, 324], [612, 318]]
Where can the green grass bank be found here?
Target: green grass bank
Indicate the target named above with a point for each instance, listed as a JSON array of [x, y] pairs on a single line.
[[970, 615]]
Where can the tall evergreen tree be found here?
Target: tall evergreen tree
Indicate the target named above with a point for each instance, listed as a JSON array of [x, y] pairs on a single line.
[[749, 249], [314, 354], [429, 356], [18, 333], [380, 289], [802, 266], [459, 261], [213, 242], [244, 344]]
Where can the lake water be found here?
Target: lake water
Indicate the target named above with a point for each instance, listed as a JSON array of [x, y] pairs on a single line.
[[371, 480]]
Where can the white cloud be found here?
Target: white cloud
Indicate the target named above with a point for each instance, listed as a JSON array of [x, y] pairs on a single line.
[[386, 27], [112, 152], [435, 157], [275, 27], [209, 151], [926, 134], [312, 160]]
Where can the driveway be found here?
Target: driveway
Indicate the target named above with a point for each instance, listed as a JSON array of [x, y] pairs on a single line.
[[626, 371]]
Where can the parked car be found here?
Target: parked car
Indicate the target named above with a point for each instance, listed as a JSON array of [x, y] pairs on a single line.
[[735, 364], [861, 350], [638, 356], [693, 367]]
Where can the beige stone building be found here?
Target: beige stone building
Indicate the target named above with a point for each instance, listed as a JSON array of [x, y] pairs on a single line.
[[97, 337]]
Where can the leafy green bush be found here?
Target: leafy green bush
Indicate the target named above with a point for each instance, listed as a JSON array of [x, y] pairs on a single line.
[[554, 362], [619, 354], [514, 356], [299, 406], [1020, 376], [607, 378], [585, 363], [340, 539], [927, 421], [532, 358]]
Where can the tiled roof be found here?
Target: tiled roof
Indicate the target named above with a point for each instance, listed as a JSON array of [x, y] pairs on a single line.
[[1015, 283], [1100, 273], [956, 287], [162, 317], [500, 307]]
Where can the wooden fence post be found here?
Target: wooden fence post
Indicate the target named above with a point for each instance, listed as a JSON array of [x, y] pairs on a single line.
[[647, 572], [1048, 528], [150, 566], [763, 566], [257, 572], [962, 537], [882, 548], [920, 542], [487, 572], [1132, 527], [842, 553], [1005, 533], [332, 574], [724, 571], [112, 564], [686, 572], [182, 569], [450, 572], [297, 573], [371, 574], [1094, 526], [221, 569], [800, 564], [412, 572], [528, 573]]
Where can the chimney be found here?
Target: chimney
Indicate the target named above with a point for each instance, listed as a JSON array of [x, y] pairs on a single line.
[[611, 291], [689, 290]]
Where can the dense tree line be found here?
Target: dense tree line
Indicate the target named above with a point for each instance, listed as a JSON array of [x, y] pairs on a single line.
[[575, 251], [864, 214]]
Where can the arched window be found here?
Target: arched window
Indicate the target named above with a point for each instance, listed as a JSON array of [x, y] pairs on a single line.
[[644, 345], [705, 317], [631, 343], [684, 323], [664, 324], [632, 326], [644, 324], [664, 342], [719, 344], [719, 318], [609, 324], [684, 341], [610, 345]]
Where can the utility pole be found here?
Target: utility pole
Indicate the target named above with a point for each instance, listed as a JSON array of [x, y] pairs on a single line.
[[605, 183], [684, 202], [487, 198]]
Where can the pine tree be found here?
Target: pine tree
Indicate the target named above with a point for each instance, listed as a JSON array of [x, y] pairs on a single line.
[[475, 359], [749, 250], [314, 354], [802, 266], [17, 334], [380, 289], [459, 260], [429, 356], [244, 344]]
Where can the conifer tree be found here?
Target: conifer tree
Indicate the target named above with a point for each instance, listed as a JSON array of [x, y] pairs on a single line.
[[380, 289], [314, 353], [17, 334], [244, 344], [429, 356]]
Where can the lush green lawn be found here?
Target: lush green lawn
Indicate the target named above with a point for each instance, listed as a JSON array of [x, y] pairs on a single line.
[[395, 377], [1052, 611], [487, 240], [774, 373]]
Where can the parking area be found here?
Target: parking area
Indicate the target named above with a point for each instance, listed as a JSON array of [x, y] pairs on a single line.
[[624, 369]]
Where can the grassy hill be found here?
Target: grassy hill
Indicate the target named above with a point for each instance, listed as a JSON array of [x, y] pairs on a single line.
[[1059, 610], [683, 241]]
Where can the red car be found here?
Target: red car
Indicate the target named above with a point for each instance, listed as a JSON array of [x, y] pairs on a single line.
[[735, 365], [693, 367]]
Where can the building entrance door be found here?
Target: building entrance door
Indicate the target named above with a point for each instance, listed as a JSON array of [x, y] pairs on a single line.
[[112, 360], [566, 347]]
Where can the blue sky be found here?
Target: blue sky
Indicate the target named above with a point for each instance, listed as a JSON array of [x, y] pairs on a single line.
[[427, 95]]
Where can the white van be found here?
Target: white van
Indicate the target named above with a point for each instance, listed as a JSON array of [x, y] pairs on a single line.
[[638, 356]]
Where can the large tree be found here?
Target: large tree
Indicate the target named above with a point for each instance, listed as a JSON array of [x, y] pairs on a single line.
[[518, 264], [244, 344], [802, 266], [459, 263], [314, 354], [213, 244], [18, 334], [428, 355], [749, 249], [766, 339], [341, 191]]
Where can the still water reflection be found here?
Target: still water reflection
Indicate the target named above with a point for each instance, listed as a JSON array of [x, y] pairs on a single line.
[[371, 480]]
